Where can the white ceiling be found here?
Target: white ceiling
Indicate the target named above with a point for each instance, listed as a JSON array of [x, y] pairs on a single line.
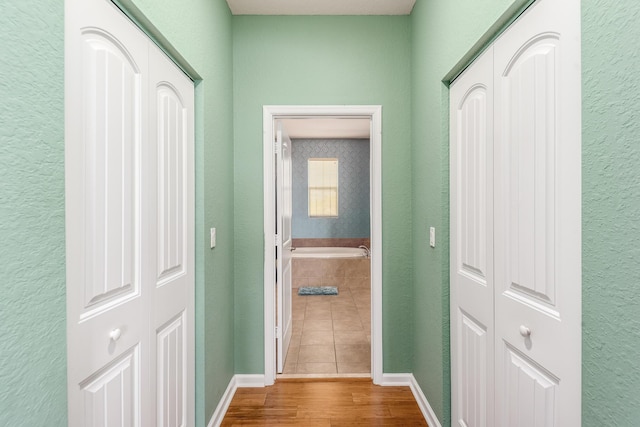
[[321, 7], [327, 128]]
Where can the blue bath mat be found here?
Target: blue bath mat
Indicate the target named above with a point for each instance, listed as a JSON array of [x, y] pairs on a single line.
[[318, 290]]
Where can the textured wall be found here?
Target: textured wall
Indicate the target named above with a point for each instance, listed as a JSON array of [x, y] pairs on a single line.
[[33, 377], [611, 212], [322, 60], [200, 30], [353, 188], [443, 32]]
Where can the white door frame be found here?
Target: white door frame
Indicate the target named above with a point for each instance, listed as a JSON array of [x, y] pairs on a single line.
[[270, 113]]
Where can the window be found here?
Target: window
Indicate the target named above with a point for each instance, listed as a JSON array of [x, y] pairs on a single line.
[[323, 187]]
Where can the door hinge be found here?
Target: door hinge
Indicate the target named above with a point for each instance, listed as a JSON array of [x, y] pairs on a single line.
[[278, 333], [277, 240], [276, 147]]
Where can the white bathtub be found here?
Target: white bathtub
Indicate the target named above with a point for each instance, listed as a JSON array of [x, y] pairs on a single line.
[[329, 252]]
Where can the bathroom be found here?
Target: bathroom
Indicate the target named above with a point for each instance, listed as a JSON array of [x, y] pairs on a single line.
[[331, 334]]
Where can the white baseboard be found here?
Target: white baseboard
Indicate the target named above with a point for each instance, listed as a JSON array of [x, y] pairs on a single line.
[[409, 380], [247, 380], [237, 381]]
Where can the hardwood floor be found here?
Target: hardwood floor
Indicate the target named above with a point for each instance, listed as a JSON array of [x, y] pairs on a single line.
[[324, 402]]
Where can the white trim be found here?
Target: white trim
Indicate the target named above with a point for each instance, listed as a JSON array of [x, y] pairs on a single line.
[[270, 112], [247, 380], [408, 380], [237, 381], [423, 403], [223, 405], [395, 380]]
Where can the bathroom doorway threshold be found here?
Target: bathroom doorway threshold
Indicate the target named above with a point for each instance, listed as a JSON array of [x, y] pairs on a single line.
[[271, 114], [321, 376]]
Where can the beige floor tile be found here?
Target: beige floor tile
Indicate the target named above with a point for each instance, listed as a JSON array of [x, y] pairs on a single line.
[[295, 340], [352, 353], [316, 353], [316, 368], [350, 337], [315, 281], [289, 368], [354, 368], [317, 325], [345, 316], [292, 354], [322, 314], [357, 283], [317, 338], [350, 325], [333, 281], [344, 306], [314, 302]]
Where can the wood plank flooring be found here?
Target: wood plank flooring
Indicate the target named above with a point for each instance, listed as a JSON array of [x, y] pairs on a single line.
[[324, 402]]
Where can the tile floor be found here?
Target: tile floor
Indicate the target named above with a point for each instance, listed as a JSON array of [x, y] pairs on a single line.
[[331, 333]]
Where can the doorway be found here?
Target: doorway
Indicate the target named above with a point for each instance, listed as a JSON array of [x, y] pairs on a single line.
[[277, 329]]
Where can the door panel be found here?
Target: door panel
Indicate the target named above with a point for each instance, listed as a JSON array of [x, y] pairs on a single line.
[[171, 215], [537, 218], [529, 389], [110, 396], [472, 244], [112, 92]]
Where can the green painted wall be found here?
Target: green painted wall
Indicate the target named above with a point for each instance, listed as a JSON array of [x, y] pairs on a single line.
[[33, 376], [322, 60], [443, 32], [611, 212], [201, 32], [32, 307]]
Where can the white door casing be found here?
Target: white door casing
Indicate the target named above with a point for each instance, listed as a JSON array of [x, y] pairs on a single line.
[[283, 243], [112, 306], [472, 288], [538, 218], [270, 116]]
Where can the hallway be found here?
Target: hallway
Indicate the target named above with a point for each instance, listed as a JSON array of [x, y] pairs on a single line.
[[352, 402]]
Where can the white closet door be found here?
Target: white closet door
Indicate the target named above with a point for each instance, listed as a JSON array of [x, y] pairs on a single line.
[[472, 334], [114, 309], [537, 218], [107, 313], [169, 214]]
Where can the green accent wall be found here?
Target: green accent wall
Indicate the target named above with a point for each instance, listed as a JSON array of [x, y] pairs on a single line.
[[322, 60], [443, 32], [33, 366], [611, 213], [201, 33]]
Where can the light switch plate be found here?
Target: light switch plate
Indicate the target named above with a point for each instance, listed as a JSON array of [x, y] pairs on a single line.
[[213, 238], [432, 237]]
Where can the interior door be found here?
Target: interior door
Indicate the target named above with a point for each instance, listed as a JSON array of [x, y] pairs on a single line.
[[472, 287], [170, 218], [537, 218], [284, 247], [120, 276]]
